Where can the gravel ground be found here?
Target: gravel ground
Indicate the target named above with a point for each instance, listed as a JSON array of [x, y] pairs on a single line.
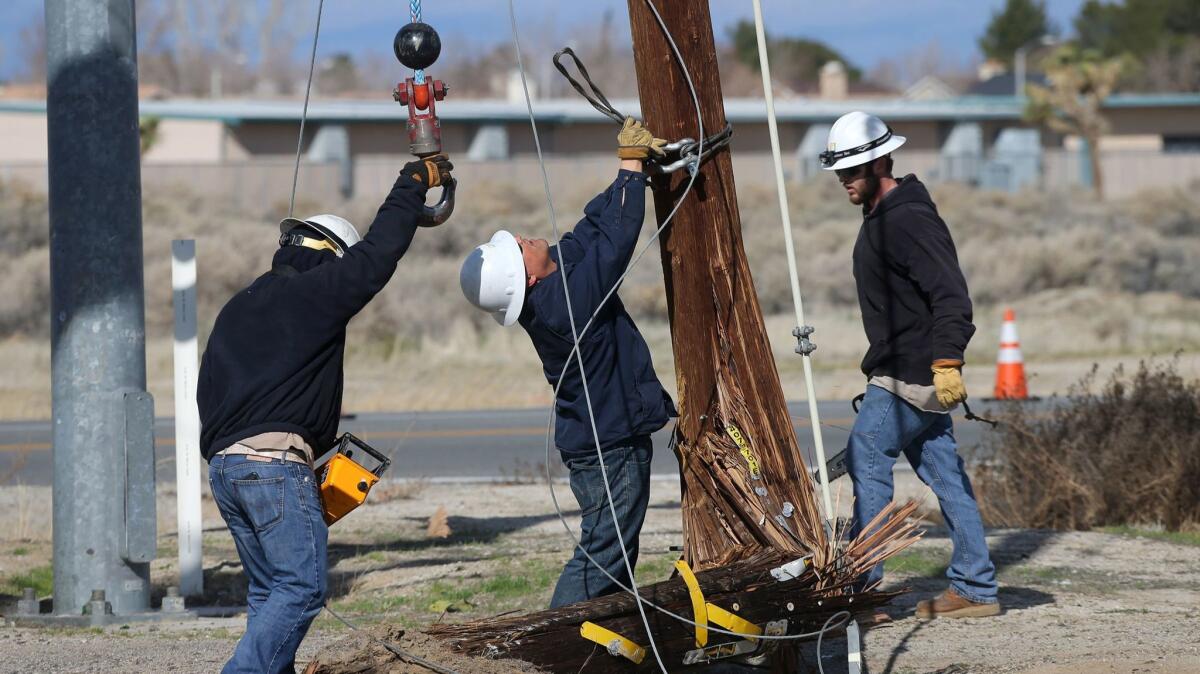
[[1075, 602]]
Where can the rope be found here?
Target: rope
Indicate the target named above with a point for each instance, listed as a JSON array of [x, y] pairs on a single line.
[[395, 650], [682, 153], [312, 64], [414, 11], [971, 416], [597, 98], [802, 331]]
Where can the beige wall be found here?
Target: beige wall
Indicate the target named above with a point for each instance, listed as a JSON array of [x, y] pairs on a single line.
[[22, 137], [1125, 172], [186, 140]]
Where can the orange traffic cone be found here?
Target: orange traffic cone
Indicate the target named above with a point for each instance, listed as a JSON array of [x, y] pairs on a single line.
[[1010, 366]]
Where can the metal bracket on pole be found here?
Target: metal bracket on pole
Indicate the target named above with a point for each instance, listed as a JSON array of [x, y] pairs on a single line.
[[749, 646], [804, 346]]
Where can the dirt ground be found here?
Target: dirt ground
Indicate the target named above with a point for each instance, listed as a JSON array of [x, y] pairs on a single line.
[[1075, 602]]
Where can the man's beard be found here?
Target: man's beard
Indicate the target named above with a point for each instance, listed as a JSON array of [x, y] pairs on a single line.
[[869, 189]]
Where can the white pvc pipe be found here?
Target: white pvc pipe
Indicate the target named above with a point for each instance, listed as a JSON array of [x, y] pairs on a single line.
[[187, 419], [781, 187]]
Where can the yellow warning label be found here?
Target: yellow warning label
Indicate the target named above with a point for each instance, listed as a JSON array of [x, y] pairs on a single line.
[[744, 447]]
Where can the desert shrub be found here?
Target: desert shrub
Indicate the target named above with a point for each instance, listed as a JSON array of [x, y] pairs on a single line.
[[24, 218], [1011, 246], [1127, 453]]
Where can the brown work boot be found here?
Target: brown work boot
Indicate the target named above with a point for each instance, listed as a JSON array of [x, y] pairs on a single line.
[[951, 604]]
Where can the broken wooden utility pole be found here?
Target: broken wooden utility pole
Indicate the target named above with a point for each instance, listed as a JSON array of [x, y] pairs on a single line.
[[725, 370]]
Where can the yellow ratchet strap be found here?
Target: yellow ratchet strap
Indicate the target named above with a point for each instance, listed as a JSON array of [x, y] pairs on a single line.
[[740, 440], [722, 618], [699, 607], [613, 642]]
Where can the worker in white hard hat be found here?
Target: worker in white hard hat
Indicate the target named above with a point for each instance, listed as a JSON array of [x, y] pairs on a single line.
[[917, 316], [270, 397], [521, 280]]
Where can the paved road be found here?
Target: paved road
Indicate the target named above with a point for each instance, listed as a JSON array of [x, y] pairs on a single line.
[[440, 445]]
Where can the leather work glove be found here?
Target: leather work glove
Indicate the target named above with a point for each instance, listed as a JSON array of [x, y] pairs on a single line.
[[429, 171], [947, 379], [636, 142]]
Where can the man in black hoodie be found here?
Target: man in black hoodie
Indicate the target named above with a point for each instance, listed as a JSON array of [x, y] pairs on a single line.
[[917, 316], [270, 396]]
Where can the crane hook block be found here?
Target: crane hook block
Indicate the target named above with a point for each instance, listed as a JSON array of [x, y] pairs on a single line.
[[417, 46], [425, 136]]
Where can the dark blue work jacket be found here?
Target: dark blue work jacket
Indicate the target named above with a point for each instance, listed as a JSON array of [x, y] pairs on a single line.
[[627, 398]]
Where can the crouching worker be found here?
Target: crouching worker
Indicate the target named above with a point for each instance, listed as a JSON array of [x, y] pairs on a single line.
[[270, 396], [521, 280]]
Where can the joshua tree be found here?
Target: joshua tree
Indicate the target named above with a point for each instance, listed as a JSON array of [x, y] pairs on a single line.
[[1079, 82]]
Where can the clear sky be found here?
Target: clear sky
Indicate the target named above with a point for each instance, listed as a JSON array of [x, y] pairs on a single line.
[[866, 31]]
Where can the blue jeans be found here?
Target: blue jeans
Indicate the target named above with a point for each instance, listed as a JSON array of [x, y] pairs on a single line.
[[885, 427], [273, 511], [628, 468]]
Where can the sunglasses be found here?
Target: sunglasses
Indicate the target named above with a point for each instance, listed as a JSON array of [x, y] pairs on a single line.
[[851, 173]]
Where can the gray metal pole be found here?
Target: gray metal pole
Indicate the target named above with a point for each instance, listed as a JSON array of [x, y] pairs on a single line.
[[1019, 73], [104, 524]]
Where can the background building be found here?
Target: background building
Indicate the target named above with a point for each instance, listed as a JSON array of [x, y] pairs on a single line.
[[242, 149]]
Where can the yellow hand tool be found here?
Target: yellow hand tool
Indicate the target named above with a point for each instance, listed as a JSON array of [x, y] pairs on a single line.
[[345, 482]]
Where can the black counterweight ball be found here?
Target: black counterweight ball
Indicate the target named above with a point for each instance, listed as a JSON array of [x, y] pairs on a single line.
[[417, 46]]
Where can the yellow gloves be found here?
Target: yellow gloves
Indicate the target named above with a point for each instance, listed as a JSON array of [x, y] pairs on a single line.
[[636, 142], [947, 379], [431, 171]]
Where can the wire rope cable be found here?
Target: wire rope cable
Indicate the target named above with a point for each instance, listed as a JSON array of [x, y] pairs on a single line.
[[312, 64], [790, 248], [845, 615]]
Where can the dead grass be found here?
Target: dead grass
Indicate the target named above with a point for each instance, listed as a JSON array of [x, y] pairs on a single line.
[[1089, 282], [1124, 453], [1012, 246], [397, 490]]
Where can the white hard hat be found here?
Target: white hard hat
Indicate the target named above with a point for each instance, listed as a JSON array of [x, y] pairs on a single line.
[[493, 278], [857, 138], [338, 230]]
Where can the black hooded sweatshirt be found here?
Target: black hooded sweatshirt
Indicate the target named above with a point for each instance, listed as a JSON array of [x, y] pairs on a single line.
[[274, 357], [911, 290]]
